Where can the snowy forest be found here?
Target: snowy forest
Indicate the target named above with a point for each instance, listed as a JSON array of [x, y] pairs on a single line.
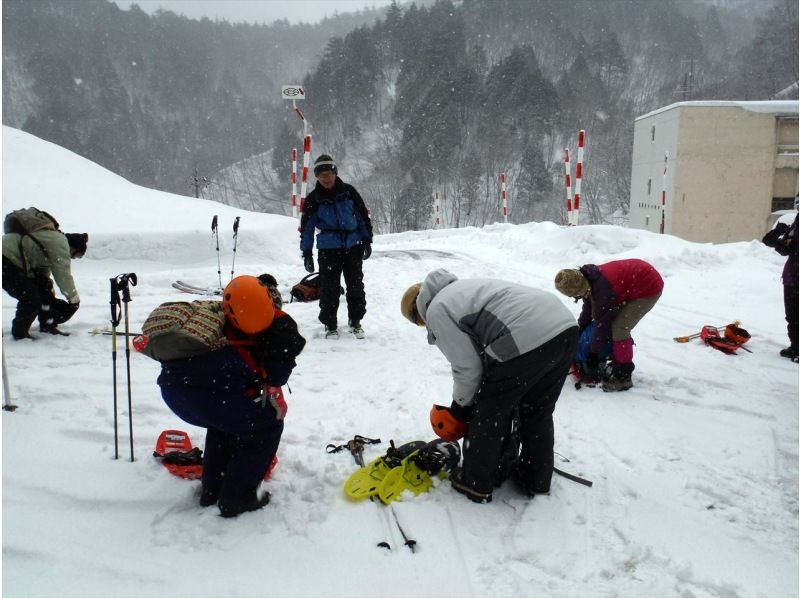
[[419, 97]]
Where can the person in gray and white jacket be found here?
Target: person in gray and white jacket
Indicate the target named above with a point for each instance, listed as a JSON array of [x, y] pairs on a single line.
[[510, 347]]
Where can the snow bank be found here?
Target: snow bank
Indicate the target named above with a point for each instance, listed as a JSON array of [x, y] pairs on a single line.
[[695, 469]]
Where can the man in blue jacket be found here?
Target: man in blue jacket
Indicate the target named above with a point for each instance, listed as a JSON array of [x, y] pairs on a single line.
[[344, 240]]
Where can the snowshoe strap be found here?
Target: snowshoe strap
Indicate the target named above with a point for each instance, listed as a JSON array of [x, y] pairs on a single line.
[[355, 446], [351, 444], [393, 456], [192, 457]]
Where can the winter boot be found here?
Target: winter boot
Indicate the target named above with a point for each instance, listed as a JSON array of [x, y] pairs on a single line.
[[52, 329], [331, 332], [208, 498], [356, 330], [524, 485], [790, 353], [620, 378], [462, 487], [231, 507]]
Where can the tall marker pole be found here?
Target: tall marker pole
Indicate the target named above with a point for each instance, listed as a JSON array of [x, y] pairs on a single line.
[[503, 198], [437, 219], [306, 162], [576, 202], [569, 186], [294, 93], [294, 182], [664, 193]]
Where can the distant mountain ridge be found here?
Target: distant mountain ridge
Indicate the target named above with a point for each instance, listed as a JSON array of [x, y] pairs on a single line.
[[414, 99]]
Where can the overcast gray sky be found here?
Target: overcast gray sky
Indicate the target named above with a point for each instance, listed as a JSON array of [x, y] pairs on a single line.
[[259, 11]]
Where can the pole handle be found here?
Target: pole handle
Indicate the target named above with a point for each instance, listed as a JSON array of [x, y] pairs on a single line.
[[116, 311], [124, 282]]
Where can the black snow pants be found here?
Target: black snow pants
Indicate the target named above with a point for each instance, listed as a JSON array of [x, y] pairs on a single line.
[[35, 297], [243, 432], [532, 384], [332, 264], [790, 304]]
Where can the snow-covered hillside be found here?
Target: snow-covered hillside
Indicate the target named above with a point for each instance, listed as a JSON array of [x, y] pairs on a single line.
[[695, 469]]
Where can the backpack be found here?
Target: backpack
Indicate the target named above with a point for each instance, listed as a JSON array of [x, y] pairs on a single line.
[[733, 338], [177, 330], [27, 221], [308, 289]]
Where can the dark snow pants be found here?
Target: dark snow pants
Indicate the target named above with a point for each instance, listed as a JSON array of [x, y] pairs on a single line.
[[332, 264], [532, 382], [242, 438], [790, 304], [35, 297]]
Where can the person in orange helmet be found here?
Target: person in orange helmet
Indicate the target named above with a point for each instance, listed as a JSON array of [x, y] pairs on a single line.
[[235, 393]]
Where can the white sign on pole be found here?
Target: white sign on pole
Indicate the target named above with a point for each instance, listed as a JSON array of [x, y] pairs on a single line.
[[293, 92]]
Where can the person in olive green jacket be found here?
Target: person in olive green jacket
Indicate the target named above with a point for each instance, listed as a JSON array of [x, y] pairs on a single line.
[[28, 262]]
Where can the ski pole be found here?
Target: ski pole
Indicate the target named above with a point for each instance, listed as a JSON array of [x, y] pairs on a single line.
[[126, 281], [215, 232], [115, 319], [235, 239], [7, 404], [356, 448], [573, 477]]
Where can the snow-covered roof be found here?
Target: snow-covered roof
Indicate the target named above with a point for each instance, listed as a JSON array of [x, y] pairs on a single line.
[[768, 106]]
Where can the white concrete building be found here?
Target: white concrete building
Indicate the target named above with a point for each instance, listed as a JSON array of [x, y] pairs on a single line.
[[729, 167]]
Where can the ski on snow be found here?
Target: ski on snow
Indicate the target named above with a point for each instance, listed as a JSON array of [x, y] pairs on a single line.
[[191, 289]]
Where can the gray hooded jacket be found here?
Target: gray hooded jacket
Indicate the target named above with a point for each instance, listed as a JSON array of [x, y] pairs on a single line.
[[476, 319]]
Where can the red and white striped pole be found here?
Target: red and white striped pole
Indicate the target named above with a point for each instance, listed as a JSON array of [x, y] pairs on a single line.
[[576, 202], [503, 198], [569, 186], [437, 220], [306, 161], [294, 182], [664, 194]]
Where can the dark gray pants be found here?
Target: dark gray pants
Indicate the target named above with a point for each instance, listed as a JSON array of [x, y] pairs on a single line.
[[532, 383], [35, 297], [333, 263]]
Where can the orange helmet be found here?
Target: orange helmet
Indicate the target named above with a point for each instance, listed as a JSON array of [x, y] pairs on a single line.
[[738, 335], [248, 305], [445, 425]]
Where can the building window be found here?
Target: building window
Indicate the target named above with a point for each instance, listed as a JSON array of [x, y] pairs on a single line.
[[653, 133], [782, 203], [649, 185]]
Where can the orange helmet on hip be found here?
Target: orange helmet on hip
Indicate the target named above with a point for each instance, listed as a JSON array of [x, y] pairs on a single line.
[[445, 424]]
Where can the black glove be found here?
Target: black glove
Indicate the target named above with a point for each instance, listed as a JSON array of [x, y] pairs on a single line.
[[773, 237], [308, 261], [462, 414], [367, 250]]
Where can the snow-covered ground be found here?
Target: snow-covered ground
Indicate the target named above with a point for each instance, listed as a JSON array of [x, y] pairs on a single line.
[[695, 469]]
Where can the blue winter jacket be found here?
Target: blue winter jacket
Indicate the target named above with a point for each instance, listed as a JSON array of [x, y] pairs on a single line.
[[339, 215]]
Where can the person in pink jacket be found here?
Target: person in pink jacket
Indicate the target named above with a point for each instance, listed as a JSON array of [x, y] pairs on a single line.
[[616, 295]]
